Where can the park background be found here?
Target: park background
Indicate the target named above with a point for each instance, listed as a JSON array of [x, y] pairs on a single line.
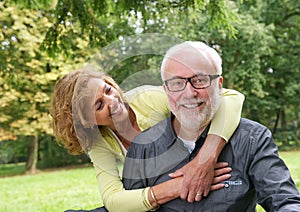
[[42, 40]]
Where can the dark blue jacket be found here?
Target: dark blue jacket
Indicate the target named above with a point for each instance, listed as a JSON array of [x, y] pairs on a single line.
[[258, 175]]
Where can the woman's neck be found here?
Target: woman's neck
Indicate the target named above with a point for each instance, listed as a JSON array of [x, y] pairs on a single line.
[[128, 129]]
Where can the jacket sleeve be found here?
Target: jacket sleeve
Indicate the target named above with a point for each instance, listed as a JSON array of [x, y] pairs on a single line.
[[110, 185], [228, 115], [275, 188]]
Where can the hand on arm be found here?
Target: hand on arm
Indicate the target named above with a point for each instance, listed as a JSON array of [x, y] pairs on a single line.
[[171, 189], [199, 173]]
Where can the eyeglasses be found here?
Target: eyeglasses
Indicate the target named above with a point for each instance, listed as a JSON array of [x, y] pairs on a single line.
[[199, 81]]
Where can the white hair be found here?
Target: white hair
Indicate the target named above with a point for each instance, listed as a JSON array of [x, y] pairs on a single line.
[[205, 51]]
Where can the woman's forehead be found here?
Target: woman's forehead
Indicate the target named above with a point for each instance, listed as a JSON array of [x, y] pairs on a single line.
[[95, 83]]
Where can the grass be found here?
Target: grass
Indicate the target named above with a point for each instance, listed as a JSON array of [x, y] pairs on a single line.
[[62, 189], [50, 191]]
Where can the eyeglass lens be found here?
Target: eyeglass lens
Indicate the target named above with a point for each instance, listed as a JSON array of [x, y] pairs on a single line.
[[199, 81]]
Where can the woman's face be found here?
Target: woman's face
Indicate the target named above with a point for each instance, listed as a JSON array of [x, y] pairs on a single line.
[[106, 105]]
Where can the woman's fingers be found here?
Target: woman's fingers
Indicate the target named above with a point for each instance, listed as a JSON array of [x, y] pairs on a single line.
[[221, 165], [218, 172], [221, 178]]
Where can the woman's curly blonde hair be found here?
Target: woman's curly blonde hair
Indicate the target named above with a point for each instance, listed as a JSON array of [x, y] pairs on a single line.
[[70, 125]]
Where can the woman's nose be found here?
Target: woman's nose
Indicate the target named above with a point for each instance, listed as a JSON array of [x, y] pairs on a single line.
[[110, 100]]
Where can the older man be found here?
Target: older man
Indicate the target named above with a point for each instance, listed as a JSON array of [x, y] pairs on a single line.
[[191, 72]]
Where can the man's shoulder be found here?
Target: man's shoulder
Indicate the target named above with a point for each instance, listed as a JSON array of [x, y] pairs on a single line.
[[251, 129], [153, 133], [250, 124], [153, 141]]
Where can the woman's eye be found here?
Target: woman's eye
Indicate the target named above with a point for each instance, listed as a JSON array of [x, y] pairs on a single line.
[[99, 105]]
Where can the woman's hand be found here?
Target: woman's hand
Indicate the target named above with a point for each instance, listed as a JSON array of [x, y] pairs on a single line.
[[221, 173]]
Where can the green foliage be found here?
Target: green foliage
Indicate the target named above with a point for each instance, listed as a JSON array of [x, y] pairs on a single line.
[[28, 75], [89, 16], [12, 151], [287, 140], [53, 155], [23, 102], [49, 154], [41, 40], [12, 169]]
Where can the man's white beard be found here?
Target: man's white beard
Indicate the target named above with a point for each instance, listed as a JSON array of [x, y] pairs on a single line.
[[201, 118]]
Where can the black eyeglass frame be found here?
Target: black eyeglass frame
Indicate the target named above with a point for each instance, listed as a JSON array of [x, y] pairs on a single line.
[[188, 79]]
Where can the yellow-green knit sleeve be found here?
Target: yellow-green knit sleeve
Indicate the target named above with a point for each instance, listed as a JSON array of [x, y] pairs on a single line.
[[150, 105], [228, 115], [110, 185]]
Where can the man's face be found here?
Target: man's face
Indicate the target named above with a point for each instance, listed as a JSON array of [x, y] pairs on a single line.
[[194, 108]]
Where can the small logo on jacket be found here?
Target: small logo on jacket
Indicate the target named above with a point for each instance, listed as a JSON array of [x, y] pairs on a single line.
[[232, 183]]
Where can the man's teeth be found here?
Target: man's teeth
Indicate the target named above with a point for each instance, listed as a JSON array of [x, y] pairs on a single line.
[[192, 105]]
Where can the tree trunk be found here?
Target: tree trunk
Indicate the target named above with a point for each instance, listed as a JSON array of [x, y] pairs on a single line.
[[283, 120], [277, 121], [32, 158]]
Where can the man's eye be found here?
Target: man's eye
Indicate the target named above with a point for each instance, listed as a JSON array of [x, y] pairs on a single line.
[[108, 90], [176, 83], [200, 80]]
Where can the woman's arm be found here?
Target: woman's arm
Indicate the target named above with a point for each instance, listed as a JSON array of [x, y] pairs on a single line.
[[113, 194], [112, 190], [198, 174], [228, 115]]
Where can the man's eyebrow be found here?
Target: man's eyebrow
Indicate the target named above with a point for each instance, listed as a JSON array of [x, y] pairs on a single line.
[[195, 74]]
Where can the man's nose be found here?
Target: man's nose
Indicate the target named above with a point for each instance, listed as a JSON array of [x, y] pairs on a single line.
[[190, 90]]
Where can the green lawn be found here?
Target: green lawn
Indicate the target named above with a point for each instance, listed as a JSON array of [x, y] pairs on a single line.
[[71, 188], [50, 191]]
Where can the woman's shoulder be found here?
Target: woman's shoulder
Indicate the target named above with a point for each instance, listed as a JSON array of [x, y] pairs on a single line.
[[145, 91]]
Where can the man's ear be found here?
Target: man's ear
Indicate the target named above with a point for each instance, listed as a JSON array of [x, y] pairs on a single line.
[[165, 87], [220, 82]]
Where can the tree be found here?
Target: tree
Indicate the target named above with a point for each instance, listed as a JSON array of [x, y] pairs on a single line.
[[90, 16], [28, 75], [281, 70], [42, 40]]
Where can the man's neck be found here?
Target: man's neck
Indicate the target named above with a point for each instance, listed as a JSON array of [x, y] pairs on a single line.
[[186, 133]]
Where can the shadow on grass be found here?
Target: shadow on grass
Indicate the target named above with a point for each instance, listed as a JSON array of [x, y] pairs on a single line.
[[15, 169], [12, 169]]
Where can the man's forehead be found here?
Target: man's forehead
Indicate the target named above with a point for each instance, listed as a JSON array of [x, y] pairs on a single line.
[[188, 69], [184, 73]]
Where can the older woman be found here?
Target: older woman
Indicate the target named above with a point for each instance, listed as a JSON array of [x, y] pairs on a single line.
[[91, 115]]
